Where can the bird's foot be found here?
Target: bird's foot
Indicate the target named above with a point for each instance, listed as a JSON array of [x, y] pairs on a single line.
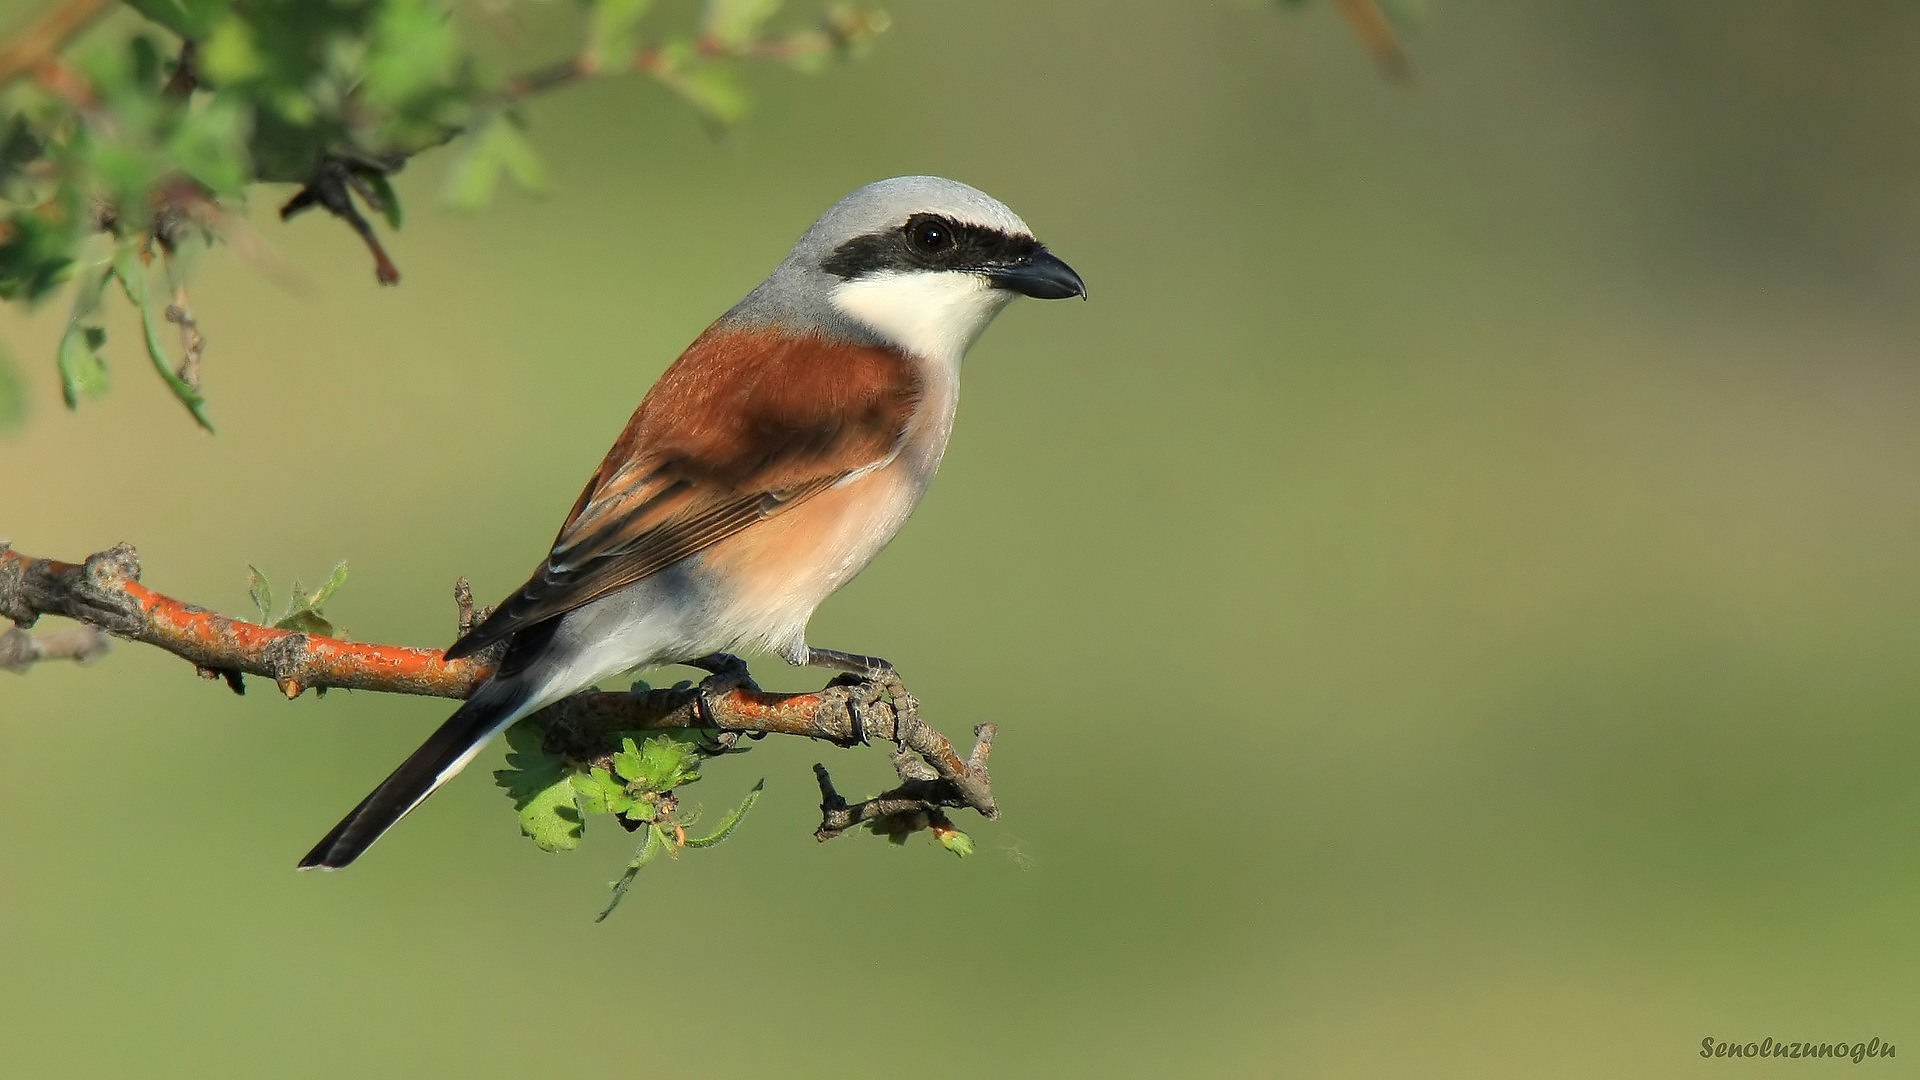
[[878, 680], [720, 664], [725, 674]]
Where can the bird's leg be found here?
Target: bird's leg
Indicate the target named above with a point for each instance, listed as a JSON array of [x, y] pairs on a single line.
[[872, 670], [725, 673], [867, 667], [719, 663]]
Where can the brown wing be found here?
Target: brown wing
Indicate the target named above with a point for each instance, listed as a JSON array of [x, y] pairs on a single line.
[[743, 426]]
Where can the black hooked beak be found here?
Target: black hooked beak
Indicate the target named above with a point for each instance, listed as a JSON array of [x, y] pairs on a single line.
[[1041, 275]]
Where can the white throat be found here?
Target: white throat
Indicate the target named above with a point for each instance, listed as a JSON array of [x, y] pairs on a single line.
[[934, 314]]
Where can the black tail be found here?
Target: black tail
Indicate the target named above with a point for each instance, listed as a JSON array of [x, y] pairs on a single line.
[[444, 753]]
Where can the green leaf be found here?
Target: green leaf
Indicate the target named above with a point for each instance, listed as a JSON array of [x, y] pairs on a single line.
[[613, 35], [472, 178], [734, 23], [389, 203], [496, 147], [146, 60], [13, 393], [955, 841], [627, 761], [654, 840], [210, 145], [260, 592], [35, 256], [83, 373], [325, 592], [307, 622], [538, 784], [133, 279], [713, 90], [229, 55], [127, 173], [188, 18], [731, 821], [303, 610], [412, 51], [295, 106], [20, 147], [521, 160], [551, 819], [662, 763], [600, 793]]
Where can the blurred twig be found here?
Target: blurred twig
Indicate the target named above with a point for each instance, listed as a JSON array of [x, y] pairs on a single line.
[[105, 593], [192, 344], [37, 43], [834, 36], [1375, 32], [20, 650]]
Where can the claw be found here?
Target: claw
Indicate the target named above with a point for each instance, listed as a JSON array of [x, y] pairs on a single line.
[[726, 673], [875, 678], [856, 722]]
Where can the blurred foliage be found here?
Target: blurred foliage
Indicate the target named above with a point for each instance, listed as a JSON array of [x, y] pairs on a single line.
[[636, 786], [133, 150]]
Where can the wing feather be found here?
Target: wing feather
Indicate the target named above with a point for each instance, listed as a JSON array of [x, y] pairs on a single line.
[[744, 426]]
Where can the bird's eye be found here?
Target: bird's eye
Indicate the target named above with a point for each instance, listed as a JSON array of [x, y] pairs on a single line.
[[928, 234]]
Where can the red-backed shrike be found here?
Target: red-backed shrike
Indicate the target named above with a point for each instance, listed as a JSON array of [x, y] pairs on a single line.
[[766, 468]]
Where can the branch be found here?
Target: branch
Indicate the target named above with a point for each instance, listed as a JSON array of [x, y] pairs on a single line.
[[847, 712], [20, 650], [192, 345], [180, 313], [104, 592]]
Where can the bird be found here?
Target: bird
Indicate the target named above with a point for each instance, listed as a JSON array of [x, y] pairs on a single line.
[[769, 464]]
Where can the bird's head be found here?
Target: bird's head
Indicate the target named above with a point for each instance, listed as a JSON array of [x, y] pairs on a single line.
[[918, 262]]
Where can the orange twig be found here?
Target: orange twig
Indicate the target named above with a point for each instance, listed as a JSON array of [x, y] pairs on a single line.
[[105, 591]]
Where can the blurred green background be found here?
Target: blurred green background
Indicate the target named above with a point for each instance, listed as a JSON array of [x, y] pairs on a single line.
[[1450, 596]]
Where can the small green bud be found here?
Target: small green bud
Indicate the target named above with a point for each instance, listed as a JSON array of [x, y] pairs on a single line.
[[953, 839]]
